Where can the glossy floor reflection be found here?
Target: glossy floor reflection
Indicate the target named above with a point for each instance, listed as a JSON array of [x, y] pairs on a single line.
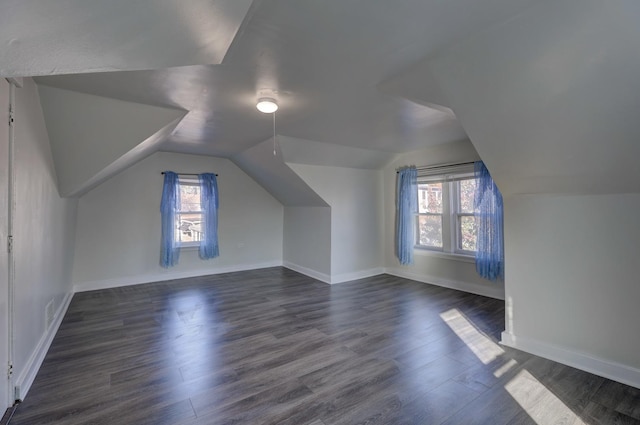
[[272, 346]]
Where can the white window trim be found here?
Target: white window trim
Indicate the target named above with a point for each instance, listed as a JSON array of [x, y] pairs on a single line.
[[455, 212], [189, 245], [448, 176], [426, 252]]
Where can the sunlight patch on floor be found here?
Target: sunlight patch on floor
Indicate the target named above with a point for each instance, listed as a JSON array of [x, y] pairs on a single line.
[[536, 400], [481, 345], [539, 402], [502, 370]]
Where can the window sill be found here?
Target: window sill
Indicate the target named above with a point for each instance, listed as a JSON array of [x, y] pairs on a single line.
[[445, 255], [190, 247]]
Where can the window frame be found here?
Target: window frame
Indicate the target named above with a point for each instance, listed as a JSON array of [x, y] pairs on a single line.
[[451, 213], [179, 213], [430, 214], [456, 211]]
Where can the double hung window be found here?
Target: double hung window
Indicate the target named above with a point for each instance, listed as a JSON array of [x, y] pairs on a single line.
[[445, 220], [189, 216]]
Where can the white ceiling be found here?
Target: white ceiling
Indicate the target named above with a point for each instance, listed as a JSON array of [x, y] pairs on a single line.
[[544, 89], [324, 59], [552, 104], [41, 37]]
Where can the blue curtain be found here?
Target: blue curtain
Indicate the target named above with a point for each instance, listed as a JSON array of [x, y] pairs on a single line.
[[489, 217], [169, 249], [209, 200], [406, 208]]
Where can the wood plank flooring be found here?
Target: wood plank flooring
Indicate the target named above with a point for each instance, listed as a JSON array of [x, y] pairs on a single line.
[[272, 346]]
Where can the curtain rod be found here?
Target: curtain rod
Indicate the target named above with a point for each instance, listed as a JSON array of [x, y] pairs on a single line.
[[188, 174], [435, 167]]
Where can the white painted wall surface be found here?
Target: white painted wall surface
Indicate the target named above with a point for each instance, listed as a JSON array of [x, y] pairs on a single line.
[[44, 234], [4, 288], [118, 230], [355, 198], [572, 279], [307, 241], [89, 133], [429, 267], [549, 97]]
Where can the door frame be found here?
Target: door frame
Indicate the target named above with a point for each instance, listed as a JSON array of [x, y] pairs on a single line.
[[8, 245]]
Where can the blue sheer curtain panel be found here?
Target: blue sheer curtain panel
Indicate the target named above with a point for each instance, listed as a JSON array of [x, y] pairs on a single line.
[[209, 200], [489, 218], [169, 249], [406, 208]]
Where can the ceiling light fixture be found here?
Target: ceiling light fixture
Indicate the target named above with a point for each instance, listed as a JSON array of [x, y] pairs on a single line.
[[267, 105]]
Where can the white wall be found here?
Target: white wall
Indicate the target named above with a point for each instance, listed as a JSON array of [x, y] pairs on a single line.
[[355, 198], [550, 100], [118, 228], [572, 280], [435, 268], [307, 241], [43, 236], [5, 400]]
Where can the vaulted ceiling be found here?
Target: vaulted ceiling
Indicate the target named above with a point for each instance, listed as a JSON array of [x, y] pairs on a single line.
[[545, 90]]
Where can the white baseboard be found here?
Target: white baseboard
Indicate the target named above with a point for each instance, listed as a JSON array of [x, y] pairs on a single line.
[[333, 279], [308, 272], [28, 374], [601, 367], [490, 290], [160, 277], [361, 274]]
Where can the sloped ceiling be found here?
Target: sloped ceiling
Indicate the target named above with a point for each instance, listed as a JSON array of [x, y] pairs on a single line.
[[41, 37], [299, 151], [276, 177], [545, 90], [92, 137], [550, 98], [322, 61]]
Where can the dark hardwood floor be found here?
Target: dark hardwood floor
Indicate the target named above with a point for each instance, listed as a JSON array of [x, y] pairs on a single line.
[[272, 346]]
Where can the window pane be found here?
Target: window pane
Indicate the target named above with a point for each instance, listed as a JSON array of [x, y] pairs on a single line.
[[466, 189], [430, 230], [430, 198], [189, 229], [189, 197], [468, 233]]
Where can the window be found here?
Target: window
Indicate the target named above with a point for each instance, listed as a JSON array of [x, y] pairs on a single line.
[[430, 215], [466, 227], [189, 216], [445, 220]]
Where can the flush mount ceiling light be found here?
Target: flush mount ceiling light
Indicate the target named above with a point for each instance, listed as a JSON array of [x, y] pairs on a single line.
[[267, 105]]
